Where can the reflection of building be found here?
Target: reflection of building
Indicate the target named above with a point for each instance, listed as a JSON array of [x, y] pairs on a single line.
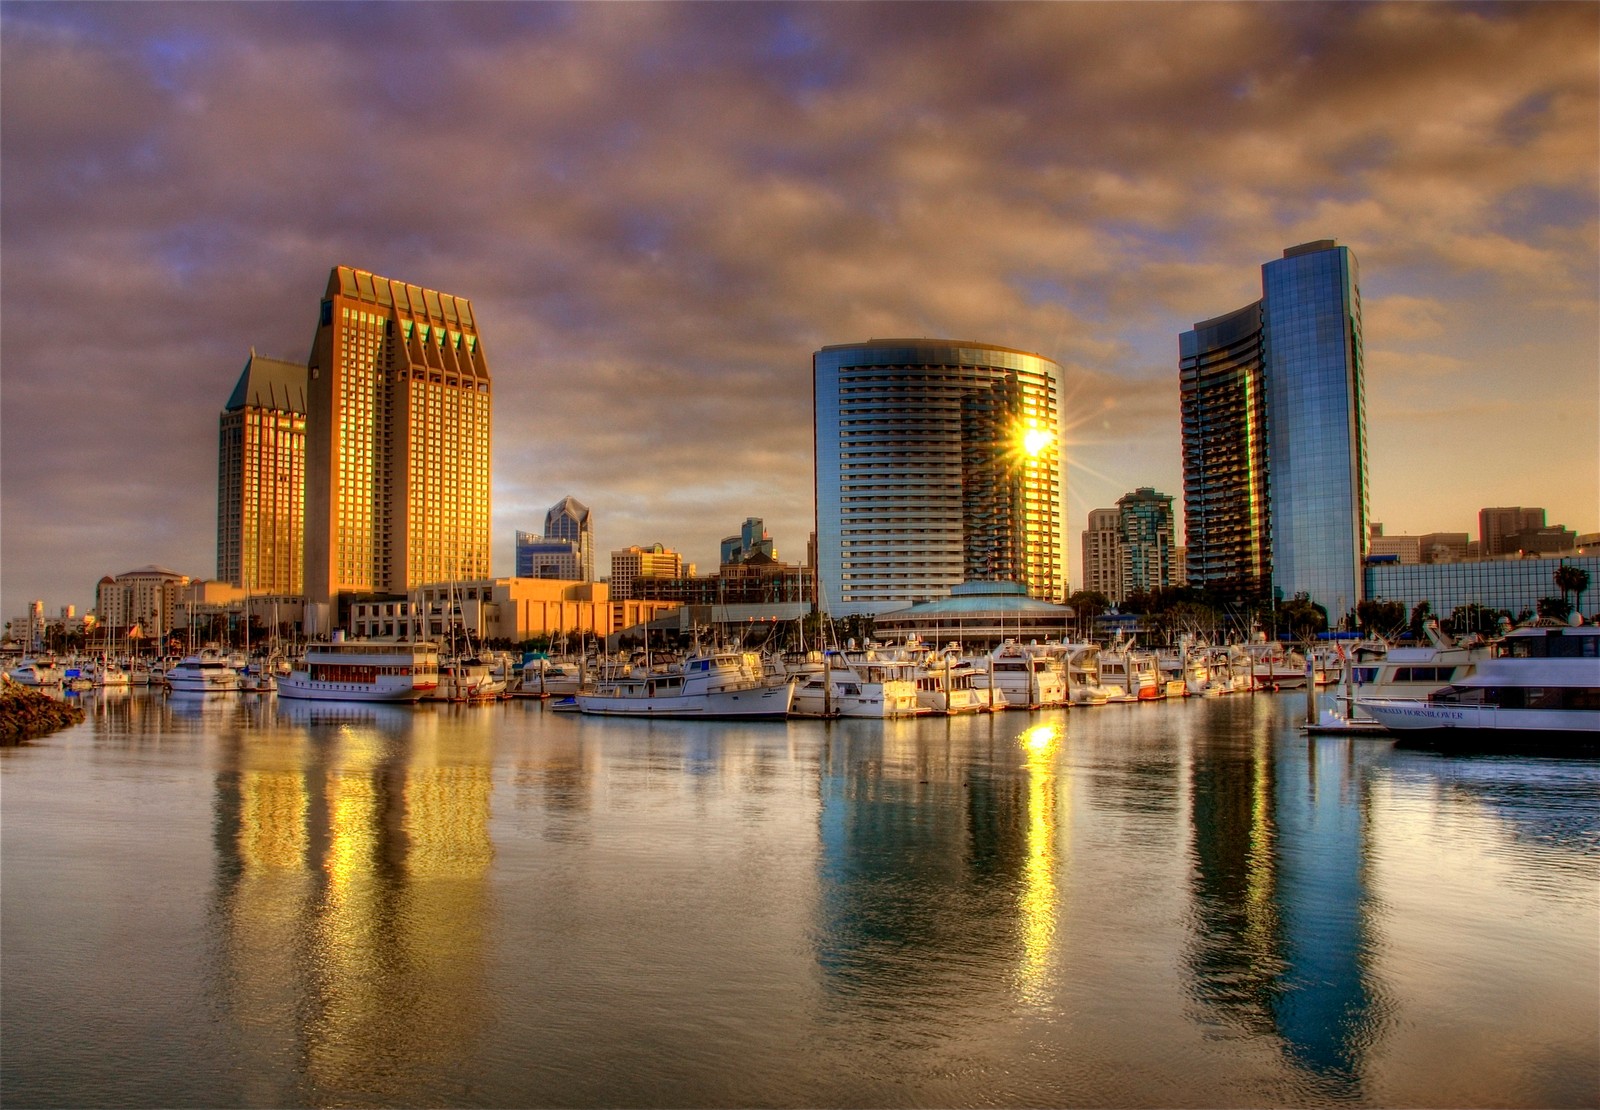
[[397, 440], [1274, 435], [937, 462], [351, 877], [889, 873], [261, 478], [1279, 892]]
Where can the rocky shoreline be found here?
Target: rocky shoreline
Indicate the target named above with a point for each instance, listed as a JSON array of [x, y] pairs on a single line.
[[27, 714]]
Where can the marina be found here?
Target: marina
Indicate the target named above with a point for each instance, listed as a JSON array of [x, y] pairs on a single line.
[[1185, 902]]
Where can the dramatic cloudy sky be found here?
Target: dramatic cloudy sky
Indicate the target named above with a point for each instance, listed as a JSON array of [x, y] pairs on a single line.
[[660, 210]]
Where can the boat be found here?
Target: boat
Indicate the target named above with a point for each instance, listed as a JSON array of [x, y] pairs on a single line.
[[1030, 678], [1129, 675], [1541, 689], [1082, 665], [948, 685], [467, 678], [720, 684], [363, 670], [106, 672], [207, 671], [548, 678], [1409, 672], [832, 684], [36, 671]]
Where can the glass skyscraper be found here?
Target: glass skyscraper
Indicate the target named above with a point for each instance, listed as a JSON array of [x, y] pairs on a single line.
[[1274, 430], [397, 440], [937, 462]]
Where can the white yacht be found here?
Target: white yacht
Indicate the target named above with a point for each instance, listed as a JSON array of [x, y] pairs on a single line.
[[363, 670], [1030, 678], [106, 672], [828, 684], [467, 678], [1127, 674], [205, 672], [947, 686], [720, 684], [1541, 687], [1403, 672], [36, 672]]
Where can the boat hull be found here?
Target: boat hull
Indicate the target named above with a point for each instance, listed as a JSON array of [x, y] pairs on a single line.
[[758, 704], [298, 687], [1438, 725]]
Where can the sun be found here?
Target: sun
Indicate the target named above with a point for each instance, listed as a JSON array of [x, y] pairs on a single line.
[[1035, 440]]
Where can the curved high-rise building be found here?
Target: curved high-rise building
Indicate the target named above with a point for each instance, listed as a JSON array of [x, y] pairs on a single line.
[[937, 462], [1274, 435]]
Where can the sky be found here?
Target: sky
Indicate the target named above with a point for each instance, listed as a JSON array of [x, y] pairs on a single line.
[[660, 210]]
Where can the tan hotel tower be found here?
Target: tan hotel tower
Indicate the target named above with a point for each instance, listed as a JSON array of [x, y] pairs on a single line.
[[397, 442]]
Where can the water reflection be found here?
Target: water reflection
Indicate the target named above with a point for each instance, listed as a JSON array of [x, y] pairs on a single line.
[[1280, 945], [352, 844], [938, 864], [1186, 903]]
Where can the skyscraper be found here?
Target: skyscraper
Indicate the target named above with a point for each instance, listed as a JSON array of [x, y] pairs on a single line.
[[937, 462], [1144, 534], [1102, 554], [633, 563], [261, 479], [751, 540], [1274, 435], [1494, 525], [397, 436], [568, 520]]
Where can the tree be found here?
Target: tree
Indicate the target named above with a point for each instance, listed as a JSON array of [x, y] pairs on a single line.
[[1305, 617], [1421, 614], [1557, 607], [1573, 580], [1381, 618], [1467, 619]]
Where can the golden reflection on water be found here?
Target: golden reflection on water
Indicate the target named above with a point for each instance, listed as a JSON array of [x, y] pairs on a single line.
[[1037, 905]]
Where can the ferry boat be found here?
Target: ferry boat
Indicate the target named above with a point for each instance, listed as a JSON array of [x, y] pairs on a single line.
[[720, 684], [363, 670], [1541, 688], [1399, 672], [205, 672]]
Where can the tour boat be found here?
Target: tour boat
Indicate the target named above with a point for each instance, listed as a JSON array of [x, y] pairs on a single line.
[[1541, 687], [721, 684], [1398, 672], [363, 670], [205, 672]]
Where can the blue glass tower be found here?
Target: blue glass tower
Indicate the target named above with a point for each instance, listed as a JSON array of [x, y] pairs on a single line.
[[1274, 434], [1316, 423]]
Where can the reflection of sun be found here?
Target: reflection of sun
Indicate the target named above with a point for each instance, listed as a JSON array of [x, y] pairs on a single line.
[[1035, 440]]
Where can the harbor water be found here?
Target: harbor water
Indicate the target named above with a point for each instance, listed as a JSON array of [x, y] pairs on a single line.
[[241, 901]]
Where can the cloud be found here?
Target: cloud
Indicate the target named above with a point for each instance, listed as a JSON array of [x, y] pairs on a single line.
[[660, 210]]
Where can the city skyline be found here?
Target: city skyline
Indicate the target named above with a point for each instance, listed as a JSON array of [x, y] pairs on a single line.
[[659, 211]]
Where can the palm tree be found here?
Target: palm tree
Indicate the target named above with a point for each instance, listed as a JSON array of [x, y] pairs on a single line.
[[1573, 580]]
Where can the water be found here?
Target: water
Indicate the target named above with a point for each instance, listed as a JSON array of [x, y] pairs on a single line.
[[242, 902]]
